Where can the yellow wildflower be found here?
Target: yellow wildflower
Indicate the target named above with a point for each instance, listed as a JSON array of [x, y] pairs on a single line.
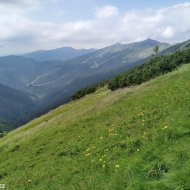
[[100, 159], [117, 165], [29, 181], [165, 127]]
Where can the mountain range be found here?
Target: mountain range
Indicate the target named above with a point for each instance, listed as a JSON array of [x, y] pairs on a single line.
[[62, 54], [107, 60], [50, 83]]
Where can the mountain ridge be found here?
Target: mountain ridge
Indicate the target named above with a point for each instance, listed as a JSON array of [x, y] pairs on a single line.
[[63, 54], [108, 58]]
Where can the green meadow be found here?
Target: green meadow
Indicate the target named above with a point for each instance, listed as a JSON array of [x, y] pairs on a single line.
[[135, 138]]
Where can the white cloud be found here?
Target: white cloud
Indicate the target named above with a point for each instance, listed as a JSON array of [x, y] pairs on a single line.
[[20, 34], [107, 12], [168, 32]]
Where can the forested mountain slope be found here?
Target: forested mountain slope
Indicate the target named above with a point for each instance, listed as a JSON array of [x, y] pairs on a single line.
[[16, 107], [4, 127]]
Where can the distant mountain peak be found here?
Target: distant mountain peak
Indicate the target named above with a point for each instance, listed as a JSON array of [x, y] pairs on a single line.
[[149, 39], [150, 42], [117, 43], [114, 45]]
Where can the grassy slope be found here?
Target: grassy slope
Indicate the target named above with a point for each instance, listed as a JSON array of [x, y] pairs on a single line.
[[135, 139]]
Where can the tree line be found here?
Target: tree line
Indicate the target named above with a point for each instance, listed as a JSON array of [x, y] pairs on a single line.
[[88, 90], [150, 69]]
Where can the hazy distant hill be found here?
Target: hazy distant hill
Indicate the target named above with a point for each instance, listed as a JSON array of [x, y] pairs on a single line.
[[18, 71], [63, 54], [109, 60], [176, 47], [17, 107]]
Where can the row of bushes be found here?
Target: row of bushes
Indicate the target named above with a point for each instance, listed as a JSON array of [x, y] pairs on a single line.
[[88, 90], [149, 70]]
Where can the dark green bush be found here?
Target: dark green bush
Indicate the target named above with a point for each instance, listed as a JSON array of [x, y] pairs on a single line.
[[150, 69]]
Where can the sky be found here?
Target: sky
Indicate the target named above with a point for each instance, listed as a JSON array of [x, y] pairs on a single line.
[[30, 25]]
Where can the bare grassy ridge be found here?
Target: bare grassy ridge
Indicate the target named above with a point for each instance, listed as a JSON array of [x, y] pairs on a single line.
[[135, 138]]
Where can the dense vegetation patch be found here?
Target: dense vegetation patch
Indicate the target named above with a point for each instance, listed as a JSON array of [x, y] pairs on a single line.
[[150, 69], [16, 108], [88, 90]]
